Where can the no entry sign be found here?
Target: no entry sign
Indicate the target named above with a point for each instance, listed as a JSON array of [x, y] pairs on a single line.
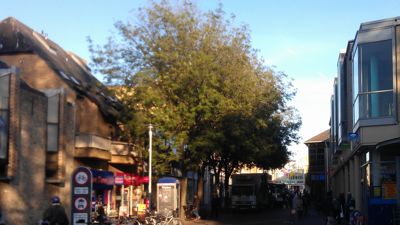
[[81, 196]]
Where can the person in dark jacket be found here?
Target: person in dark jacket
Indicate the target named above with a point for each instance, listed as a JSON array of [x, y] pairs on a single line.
[[55, 214]]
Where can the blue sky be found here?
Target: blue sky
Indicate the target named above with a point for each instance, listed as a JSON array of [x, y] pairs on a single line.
[[300, 38]]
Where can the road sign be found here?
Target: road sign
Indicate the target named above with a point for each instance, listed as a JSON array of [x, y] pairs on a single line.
[[353, 136], [81, 196]]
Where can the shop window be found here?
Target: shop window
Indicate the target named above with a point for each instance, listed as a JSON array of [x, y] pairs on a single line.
[[373, 96]]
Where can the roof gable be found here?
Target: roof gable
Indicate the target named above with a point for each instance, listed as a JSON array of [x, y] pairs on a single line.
[[321, 137], [16, 37]]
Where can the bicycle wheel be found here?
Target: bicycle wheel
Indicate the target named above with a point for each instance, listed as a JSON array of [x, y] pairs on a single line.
[[150, 221], [176, 221]]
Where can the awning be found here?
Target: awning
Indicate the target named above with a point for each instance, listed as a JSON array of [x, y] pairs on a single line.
[[102, 180], [130, 179]]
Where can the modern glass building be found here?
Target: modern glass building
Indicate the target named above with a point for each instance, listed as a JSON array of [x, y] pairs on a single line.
[[365, 121]]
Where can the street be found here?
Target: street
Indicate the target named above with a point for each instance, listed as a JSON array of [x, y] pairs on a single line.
[[269, 217]]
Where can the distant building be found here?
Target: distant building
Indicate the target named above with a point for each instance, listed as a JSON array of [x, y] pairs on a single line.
[[318, 168]]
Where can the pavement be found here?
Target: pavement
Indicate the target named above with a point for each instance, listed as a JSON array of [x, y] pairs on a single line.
[[270, 217]]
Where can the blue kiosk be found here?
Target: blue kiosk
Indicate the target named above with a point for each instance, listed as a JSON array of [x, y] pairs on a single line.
[[168, 194]]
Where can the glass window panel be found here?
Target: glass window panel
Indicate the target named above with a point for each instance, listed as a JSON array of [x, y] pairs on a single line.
[[355, 74], [53, 108], [376, 105], [356, 110], [373, 95], [52, 137], [376, 66]]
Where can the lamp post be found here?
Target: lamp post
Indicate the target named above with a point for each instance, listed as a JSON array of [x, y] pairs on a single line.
[[150, 151]]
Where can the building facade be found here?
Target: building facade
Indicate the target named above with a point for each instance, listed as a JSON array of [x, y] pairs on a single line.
[[365, 134], [54, 117], [316, 178]]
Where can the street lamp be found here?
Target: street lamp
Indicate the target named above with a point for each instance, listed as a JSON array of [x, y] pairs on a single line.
[[150, 151]]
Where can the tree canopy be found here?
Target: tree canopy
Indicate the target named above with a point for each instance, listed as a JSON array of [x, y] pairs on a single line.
[[195, 76]]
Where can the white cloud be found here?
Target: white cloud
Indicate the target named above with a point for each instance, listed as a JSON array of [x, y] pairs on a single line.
[[313, 103]]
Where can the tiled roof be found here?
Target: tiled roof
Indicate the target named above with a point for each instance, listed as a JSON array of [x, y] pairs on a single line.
[[16, 37], [324, 136]]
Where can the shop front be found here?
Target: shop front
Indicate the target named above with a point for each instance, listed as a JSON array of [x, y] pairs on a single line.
[[129, 193], [103, 184], [379, 175]]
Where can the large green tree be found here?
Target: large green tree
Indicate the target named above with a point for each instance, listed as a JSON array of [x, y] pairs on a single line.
[[197, 79]]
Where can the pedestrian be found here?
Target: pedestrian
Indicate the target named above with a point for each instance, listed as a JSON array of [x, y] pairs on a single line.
[[348, 205], [196, 205], [299, 205], [306, 202], [342, 203], [215, 202], [101, 215], [55, 213], [329, 209]]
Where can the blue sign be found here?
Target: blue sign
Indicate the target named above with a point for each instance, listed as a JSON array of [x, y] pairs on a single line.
[[353, 136]]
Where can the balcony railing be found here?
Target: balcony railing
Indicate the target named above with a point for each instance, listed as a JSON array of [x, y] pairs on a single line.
[[83, 140]]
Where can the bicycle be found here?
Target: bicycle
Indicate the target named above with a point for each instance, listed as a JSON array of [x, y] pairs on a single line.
[[124, 220], [172, 221]]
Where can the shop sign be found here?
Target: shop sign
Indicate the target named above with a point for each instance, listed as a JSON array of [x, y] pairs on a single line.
[[81, 196], [389, 190], [119, 179], [102, 180], [128, 179]]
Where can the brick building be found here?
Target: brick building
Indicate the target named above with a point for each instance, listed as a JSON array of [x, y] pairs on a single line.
[[54, 116]]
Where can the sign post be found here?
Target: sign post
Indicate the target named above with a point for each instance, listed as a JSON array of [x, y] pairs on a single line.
[[81, 196]]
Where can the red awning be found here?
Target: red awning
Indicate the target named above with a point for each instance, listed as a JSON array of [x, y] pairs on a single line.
[[129, 179]]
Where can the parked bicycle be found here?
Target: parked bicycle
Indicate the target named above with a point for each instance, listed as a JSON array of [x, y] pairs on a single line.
[[162, 218]]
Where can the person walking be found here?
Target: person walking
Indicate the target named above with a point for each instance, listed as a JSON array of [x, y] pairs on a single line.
[[299, 205], [55, 213], [196, 205], [306, 202]]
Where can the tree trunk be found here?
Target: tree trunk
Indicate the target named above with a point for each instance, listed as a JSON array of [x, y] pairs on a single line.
[[200, 186], [226, 186], [183, 194]]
